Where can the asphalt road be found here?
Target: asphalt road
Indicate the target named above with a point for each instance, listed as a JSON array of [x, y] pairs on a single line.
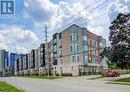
[[72, 84]]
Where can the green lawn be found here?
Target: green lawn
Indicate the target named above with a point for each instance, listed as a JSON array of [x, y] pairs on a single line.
[[123, 80], [42, 77], [4, 87], [124, 83]]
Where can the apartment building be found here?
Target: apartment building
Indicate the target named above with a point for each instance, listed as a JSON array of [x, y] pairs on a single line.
[[12, 60], [75, 50], [2, 61]]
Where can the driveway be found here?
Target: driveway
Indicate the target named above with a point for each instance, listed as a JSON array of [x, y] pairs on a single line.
[[69, 84]]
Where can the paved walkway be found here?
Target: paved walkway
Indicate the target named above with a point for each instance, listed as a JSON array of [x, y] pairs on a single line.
[[69, 84]]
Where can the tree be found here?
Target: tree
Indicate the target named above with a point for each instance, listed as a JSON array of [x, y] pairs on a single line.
[[119, 52]]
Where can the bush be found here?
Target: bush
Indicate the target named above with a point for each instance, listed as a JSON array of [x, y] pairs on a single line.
[[66, 74], [57, 74]]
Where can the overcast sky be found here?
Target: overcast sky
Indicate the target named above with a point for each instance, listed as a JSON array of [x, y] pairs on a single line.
[[25, 30]]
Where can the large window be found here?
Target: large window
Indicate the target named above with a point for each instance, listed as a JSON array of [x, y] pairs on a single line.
[[84, 37], [54, 48], [74, 37], [60, 35], [60, 44], [75, 58], [85, 47], [74, 47]]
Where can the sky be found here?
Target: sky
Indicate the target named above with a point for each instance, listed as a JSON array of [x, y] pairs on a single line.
[[25, 30]]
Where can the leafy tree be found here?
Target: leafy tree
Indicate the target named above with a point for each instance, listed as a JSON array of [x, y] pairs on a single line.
[[119, 52]]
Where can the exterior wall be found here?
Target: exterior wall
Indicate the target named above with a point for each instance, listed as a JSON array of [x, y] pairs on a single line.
[[13, 58], [67, 50], [2, 60], [50, 57], [76, 51]]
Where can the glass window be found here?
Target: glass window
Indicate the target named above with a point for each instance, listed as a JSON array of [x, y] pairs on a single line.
[[85, 47], [77, 59], [91, 42], [84, 37], [71, 38], [77, 37], [95, 43], [77, 48], [71, 48], [60, 35], [85, 58], [61, 61], [73, 58]]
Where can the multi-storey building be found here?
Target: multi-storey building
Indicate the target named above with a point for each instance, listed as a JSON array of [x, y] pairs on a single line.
[[12, 60], [42, 63], [76, 51], [2, 61]]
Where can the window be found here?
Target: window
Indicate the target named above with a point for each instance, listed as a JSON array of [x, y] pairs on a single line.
[[71, 48], [85, 47], [60, 35], [77, 58], [95, 43], [89, 59], [54, 41], [90, 42], [73, 58], [54, 48], [84, 37], [77, 37], [72, 68], [61, 62], [86, 58], [60, 44], [77, 48], [72, 37]]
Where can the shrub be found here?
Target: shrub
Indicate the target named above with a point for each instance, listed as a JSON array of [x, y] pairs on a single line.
[[66, 74], [57, 74]]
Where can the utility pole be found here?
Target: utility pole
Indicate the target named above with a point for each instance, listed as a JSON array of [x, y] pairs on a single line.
[[46, 50]]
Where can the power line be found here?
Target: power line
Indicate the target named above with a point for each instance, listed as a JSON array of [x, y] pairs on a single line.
[[96, 16], [89, 11], [78, 11], [75, 53]]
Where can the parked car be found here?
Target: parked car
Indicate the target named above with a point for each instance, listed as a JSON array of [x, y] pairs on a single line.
[[112, 74]]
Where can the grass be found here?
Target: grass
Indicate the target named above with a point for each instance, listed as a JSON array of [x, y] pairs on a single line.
[[4, 87], [43, 77], [123, 80], [123, 83]]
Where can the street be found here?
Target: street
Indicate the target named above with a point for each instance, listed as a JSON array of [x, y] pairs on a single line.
[[68, 84]]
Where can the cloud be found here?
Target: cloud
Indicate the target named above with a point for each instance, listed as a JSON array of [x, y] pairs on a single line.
[[12, 36], [20, 49], [40, 10], [96, 30]]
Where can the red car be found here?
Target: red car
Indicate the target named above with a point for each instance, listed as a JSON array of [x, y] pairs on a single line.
[[112, 74]]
